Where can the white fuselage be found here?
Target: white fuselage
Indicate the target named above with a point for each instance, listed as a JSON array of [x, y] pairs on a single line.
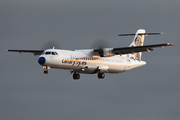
[[82, 61]]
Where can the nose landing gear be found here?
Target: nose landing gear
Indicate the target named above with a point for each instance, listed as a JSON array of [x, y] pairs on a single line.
[[46, 69]]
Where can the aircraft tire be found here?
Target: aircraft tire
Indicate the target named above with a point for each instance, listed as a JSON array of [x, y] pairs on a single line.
[[101, 75], [76, 76], [46, 72]]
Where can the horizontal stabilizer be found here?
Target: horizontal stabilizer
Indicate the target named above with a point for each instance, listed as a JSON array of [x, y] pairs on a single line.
[[141, 34]]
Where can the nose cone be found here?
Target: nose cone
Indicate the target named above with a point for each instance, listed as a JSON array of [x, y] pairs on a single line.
[[41, 60]]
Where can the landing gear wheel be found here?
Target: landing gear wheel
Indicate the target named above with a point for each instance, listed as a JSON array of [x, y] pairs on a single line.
[[101, 75], [76, 76], [46, 72]]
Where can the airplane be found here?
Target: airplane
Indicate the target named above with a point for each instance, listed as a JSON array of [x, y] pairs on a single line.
[[96, 61]]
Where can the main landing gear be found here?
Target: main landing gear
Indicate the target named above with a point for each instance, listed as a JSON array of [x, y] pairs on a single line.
[[76, 76], [101, 75]]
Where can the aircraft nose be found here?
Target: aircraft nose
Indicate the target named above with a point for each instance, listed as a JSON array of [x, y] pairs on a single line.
[[41, 60]]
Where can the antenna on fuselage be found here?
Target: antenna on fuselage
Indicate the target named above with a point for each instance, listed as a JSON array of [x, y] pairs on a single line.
[[53, 47]]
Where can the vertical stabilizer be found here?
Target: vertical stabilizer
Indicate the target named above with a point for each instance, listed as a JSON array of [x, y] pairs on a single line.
[[138, 41]]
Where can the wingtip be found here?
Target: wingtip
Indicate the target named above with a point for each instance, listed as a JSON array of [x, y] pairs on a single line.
[[170, 44]]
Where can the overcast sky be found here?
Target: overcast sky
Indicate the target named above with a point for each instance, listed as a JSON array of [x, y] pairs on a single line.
[[150, 92]]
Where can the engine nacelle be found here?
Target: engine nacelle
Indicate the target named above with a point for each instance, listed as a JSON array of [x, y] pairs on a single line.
[[104, 52]]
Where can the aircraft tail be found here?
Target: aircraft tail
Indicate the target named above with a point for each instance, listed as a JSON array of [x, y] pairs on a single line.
[[138, 41]]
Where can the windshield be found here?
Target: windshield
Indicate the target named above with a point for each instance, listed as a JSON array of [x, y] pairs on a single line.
[[49, 53]]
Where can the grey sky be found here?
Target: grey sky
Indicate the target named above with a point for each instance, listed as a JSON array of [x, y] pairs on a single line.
[[149, 92]]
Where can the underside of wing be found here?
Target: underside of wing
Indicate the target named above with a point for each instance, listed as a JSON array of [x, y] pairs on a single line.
[[35, 52]]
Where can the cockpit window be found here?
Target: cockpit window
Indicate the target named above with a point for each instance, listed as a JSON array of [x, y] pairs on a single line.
[[48, 53], [53, 53], [43, 53]]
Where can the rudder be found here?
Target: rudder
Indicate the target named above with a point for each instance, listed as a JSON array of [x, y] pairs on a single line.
[[138, 41]]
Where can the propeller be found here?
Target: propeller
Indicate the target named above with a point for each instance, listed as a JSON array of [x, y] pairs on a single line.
[[100, 44], [102, 47]]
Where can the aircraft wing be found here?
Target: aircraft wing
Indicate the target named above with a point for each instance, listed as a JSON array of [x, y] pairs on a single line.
[[127, 50], [35, 52], [145, 48]]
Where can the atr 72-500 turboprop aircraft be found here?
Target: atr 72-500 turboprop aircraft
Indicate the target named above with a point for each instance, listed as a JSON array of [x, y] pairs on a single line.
[[100, 61]]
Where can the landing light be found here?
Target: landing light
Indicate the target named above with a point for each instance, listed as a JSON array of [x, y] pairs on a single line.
[[44, 67]]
